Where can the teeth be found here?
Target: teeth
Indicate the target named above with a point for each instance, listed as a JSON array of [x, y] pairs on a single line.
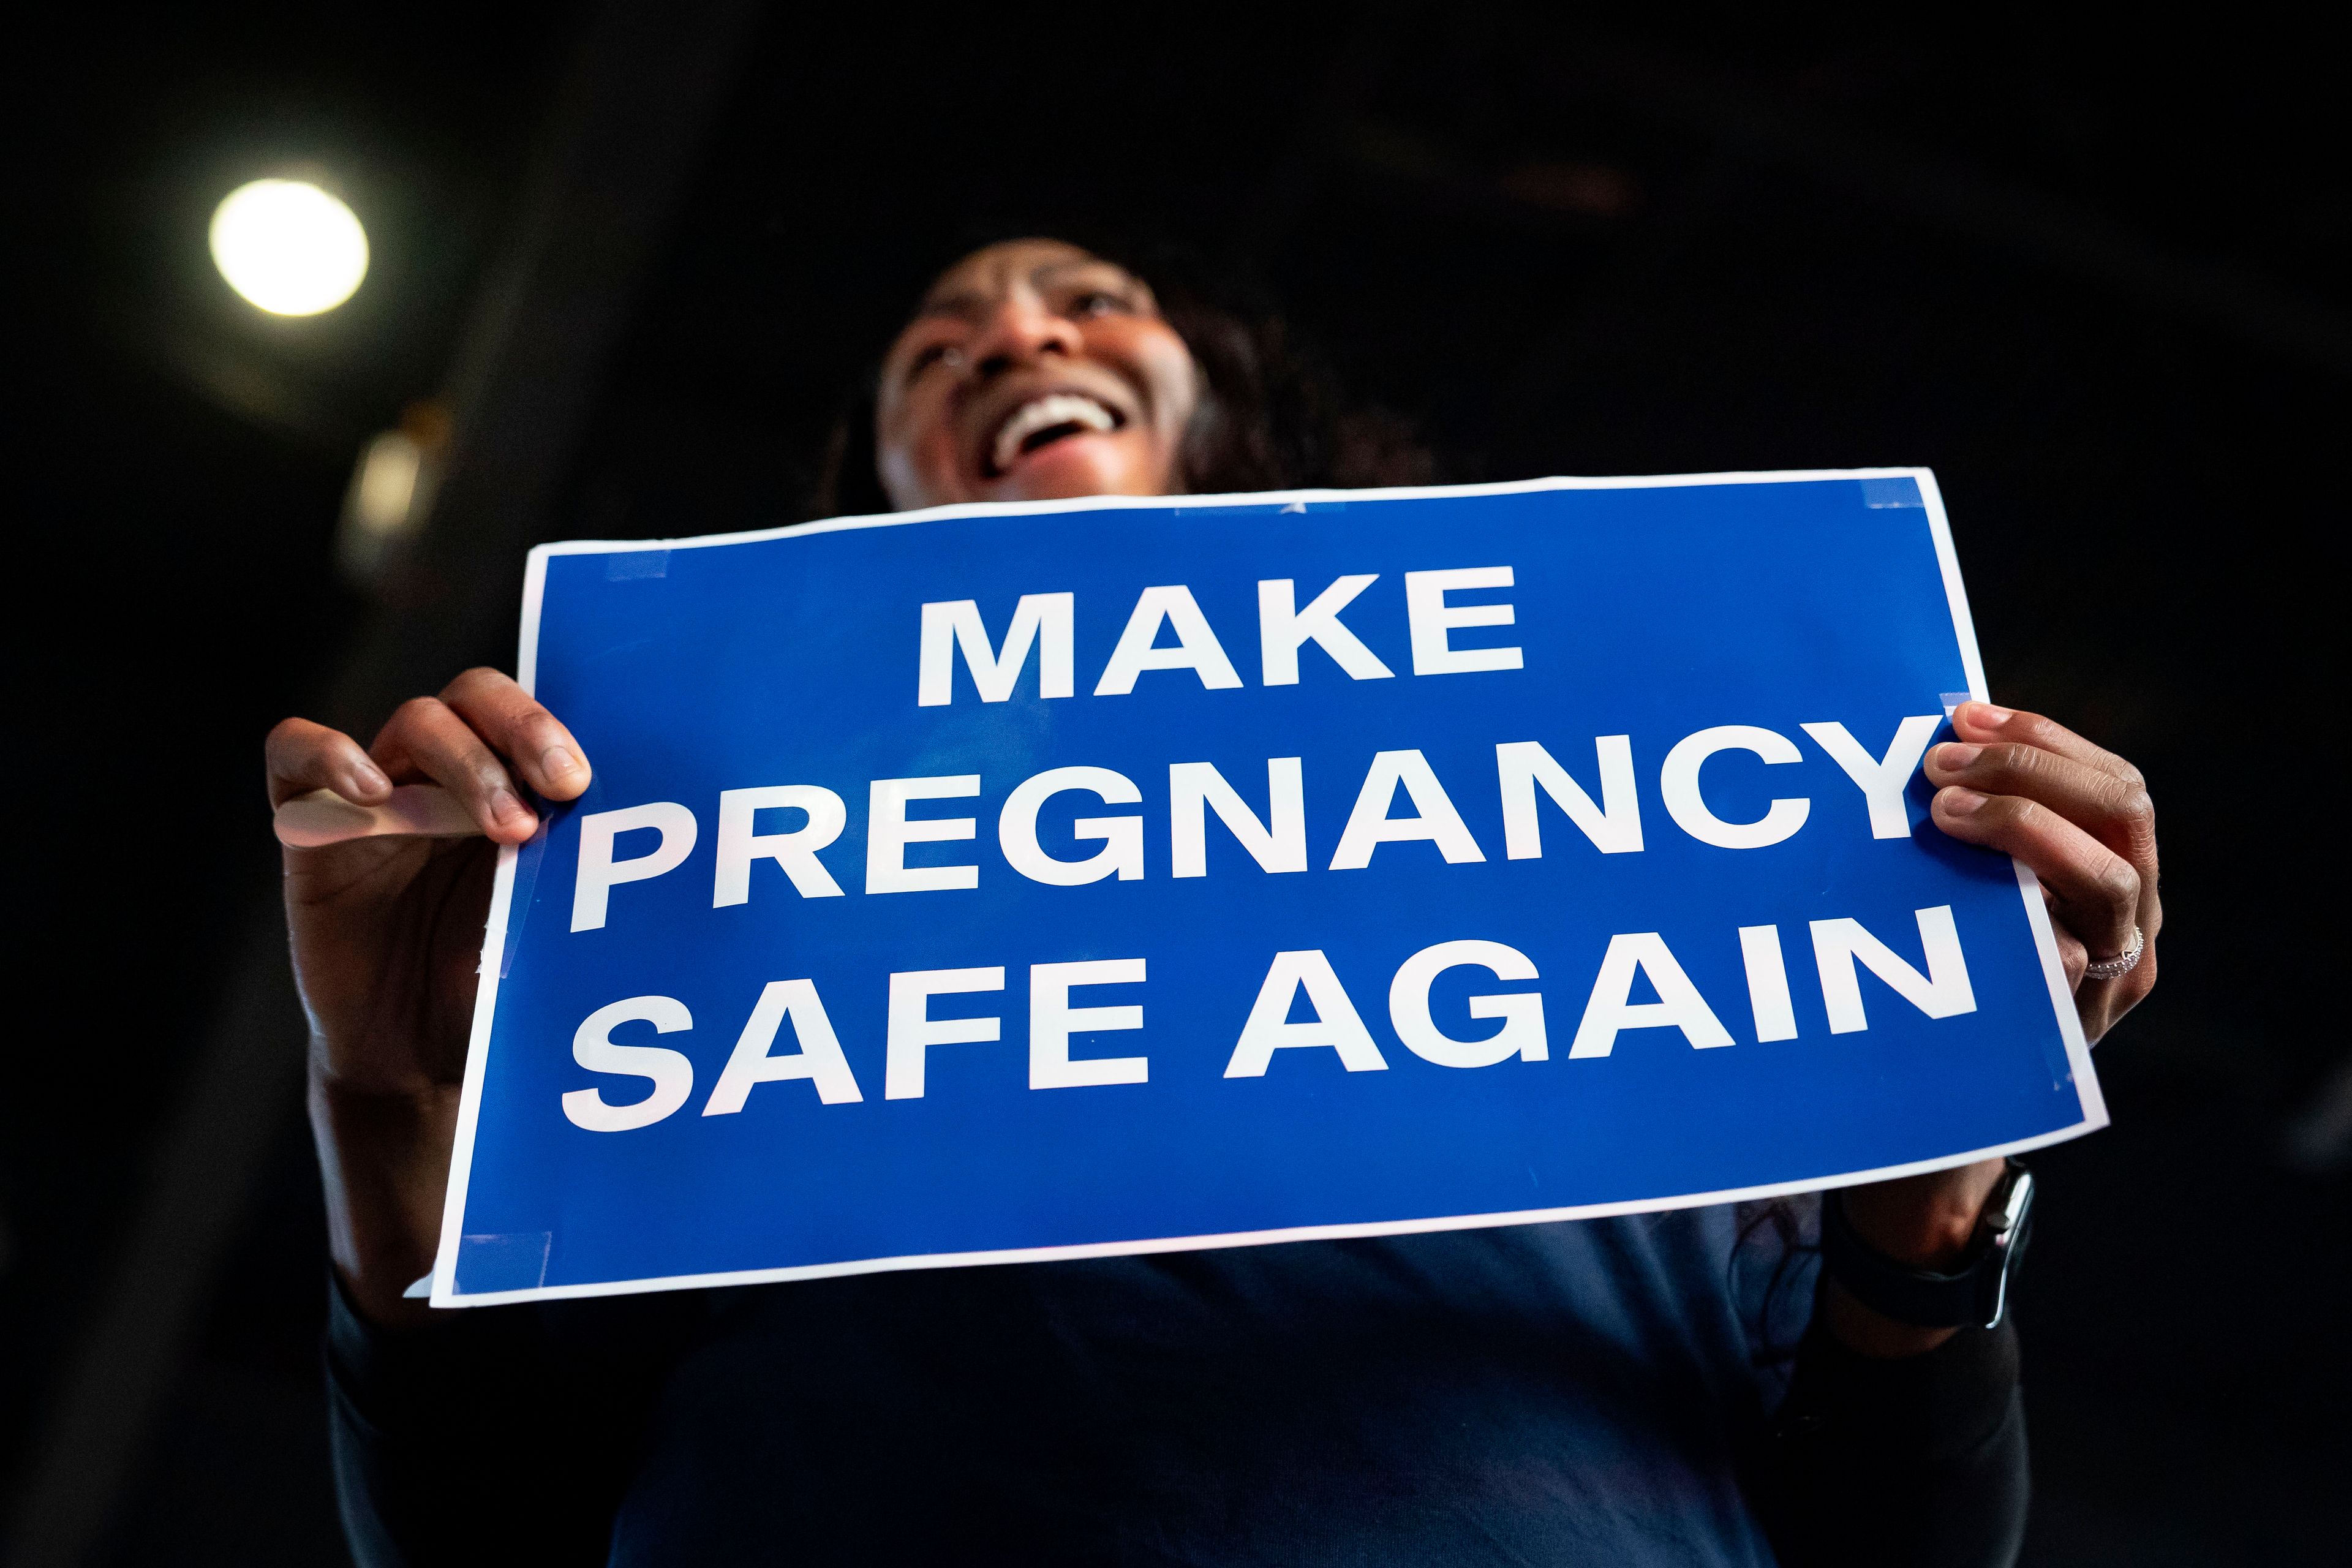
[[1044, 413]]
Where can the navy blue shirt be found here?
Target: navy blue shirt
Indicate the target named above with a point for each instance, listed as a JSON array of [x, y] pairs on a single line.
[[1601, 1392]]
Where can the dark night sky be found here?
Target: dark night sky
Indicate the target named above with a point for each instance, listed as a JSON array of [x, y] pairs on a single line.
[[2096, 280]]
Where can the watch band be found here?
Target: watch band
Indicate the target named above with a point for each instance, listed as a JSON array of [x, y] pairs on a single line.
[[1974, 1295]]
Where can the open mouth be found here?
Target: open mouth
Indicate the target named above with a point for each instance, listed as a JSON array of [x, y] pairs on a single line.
[[1042, 421]]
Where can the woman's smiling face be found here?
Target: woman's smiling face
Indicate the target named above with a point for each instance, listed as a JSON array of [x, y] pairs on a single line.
[[1033, 371]]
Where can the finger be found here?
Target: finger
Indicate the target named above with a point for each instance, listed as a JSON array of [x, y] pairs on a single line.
[[2116, 811], [315, 820], [2096, 891], [427, 739], [533, 740], [300, 756], [2073, 956], [1982, 722], [2101, 1002]]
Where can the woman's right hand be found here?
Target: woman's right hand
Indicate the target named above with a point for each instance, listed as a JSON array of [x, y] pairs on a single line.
[[387, 937]]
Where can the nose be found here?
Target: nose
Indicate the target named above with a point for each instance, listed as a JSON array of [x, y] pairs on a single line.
[[1020, 331]]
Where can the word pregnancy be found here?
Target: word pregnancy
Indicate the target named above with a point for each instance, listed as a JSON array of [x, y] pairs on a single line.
[[1526, 776]]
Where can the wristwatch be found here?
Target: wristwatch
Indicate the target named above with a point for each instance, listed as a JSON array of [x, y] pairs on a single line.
[[1974, 1295]]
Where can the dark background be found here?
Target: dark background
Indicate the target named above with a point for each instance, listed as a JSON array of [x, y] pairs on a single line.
[[2094, 277]]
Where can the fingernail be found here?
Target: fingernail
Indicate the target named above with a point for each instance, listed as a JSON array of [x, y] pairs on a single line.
[[1995, 717], [1957, 755], [1958, 802], [505, 808], [368, 778], [557, 762]]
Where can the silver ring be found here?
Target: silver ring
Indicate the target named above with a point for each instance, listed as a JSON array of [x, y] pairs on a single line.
[[2121, 964]]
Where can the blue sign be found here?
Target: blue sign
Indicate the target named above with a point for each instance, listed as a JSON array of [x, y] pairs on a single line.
[[999, 883]]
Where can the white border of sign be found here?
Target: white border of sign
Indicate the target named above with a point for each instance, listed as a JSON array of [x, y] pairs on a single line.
[[494, 934]]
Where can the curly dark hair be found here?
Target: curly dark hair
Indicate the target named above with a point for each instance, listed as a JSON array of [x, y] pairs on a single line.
[[1272, 415]]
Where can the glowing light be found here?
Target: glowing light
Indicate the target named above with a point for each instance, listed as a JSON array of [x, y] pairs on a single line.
[[383, 487], [288, 247]]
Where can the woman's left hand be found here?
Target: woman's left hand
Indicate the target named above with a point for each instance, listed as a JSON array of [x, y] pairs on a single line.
[[2080, 818]]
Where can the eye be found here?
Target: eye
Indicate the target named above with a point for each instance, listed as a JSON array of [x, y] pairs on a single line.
[[935, 354], [1097, 302]]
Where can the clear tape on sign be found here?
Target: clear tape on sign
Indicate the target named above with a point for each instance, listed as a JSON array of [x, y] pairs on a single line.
[[528, 860], [517, 1261], [638, 566]]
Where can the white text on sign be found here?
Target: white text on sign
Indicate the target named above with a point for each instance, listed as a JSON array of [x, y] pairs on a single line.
[[1842, 948]]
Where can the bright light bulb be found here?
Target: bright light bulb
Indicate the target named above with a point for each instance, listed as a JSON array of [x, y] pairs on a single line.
[[288, 247]]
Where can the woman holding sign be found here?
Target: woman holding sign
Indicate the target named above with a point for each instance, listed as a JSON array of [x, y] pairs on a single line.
[[1613, 1391]]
